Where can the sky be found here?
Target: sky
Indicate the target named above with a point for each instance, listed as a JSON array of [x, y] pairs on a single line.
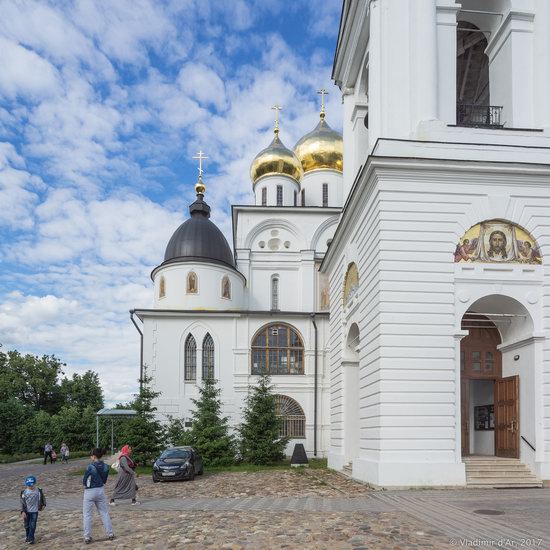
[[102, 106]]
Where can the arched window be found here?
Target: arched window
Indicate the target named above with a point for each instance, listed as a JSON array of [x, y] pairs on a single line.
[[162, 287], [293, 419], [275, 292], [190, 366], [264, 196], [192, 283], [208, 358], [226, 288], [277, 349]]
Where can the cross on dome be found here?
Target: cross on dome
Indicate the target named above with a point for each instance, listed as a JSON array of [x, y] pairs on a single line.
[[200, 188], [322, 92], [276, 108]]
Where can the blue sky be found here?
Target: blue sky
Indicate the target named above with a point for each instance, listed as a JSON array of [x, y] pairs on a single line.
[[102, 106]]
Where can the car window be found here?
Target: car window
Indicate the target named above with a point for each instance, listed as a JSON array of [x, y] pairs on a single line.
[[175, 453]]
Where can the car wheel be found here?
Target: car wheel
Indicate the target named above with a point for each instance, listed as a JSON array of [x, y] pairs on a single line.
[[155, 479], [192, 475], [201, 471]]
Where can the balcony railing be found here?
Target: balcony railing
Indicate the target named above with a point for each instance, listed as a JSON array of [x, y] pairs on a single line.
[[479, 116]]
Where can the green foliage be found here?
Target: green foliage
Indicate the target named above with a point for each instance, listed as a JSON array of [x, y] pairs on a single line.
[[176, 434], [143, 432], [210, 430], [83, 390], [37, 405], [260, 440]]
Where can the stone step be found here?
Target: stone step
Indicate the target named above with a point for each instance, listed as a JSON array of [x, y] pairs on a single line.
[[505, 485]]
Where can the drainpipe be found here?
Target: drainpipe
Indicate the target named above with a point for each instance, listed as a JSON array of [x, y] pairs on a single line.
[[132, 312], [312, 315]]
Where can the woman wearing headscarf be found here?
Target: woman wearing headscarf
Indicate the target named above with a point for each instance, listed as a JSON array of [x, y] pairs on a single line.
[[125, 487]]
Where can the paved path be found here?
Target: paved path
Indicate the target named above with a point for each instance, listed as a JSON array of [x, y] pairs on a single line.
[[455, 513]]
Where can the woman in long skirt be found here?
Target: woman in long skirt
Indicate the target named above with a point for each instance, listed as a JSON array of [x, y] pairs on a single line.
[[125, 487]]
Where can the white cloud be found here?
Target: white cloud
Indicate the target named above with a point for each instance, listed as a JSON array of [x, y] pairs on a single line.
[[24, 73], [203, 84]]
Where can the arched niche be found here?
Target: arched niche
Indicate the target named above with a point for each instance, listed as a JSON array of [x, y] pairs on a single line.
[[351, 284], [497, 241]]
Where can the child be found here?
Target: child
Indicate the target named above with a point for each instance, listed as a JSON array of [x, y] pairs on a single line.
[[64, 453], [54, 456], [32, 501]]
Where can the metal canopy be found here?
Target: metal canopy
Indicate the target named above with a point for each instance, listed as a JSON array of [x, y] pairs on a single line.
[[112, 413]]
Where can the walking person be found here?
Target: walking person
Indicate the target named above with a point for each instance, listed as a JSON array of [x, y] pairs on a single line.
[[32, 501], [48, 449], [94, 480], [125, 487], [54, 456], [64, 453]]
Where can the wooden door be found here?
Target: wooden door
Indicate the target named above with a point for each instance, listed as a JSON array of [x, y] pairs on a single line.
[[465, 415], [507, 417]]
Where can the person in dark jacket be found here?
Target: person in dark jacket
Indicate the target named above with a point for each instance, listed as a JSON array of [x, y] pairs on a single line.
[[94, 480]]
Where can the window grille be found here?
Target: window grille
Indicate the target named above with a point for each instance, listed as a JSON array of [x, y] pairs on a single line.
[[279, 195], [208, 358], [275, 293], [190, 366], [292, 417], [277, 349], [325, 194], [264, 196]]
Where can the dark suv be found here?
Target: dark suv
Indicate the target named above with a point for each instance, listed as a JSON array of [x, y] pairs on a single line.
[[177, 463]]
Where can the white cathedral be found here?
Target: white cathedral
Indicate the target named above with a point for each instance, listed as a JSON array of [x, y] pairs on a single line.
[[392, 281]]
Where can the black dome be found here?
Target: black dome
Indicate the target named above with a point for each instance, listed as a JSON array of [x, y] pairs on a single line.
[[199, 239]]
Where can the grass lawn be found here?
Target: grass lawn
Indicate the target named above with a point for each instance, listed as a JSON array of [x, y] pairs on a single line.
[[6, 459], [314, 463]]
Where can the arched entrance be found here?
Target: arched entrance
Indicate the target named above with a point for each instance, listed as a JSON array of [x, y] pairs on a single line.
[[497, 379]]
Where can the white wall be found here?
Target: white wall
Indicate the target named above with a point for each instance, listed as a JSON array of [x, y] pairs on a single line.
[[209, 295], [270, 182], [312, 185]]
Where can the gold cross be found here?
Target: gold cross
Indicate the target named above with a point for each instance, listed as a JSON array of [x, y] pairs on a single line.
[[276, 108], [322, 92], [200, 158]]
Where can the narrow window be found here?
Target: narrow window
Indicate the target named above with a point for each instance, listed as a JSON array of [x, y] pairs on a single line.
[[325, 194], [190, 366], [208, 358], [162, 287], [279, 195], [264, 196], [303, 197], [192, 283], [295, 198], [275, 293], [226, 288]]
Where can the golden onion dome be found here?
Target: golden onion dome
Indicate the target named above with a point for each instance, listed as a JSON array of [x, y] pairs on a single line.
[[321, 148], [276, 159]]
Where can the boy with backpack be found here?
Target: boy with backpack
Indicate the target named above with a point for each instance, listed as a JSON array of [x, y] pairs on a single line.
[[32, 501], [94, 480]]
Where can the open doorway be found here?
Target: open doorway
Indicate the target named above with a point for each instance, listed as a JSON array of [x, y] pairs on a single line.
[[497, 368]]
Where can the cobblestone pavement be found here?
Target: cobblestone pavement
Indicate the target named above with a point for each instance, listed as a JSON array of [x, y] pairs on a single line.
[[286, 509]]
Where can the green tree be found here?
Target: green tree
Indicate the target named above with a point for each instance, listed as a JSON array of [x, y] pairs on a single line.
[[210, 430], [260, 440], [38, 430], [74, 426], [176, 434], [13, 414], [143, 432], [83, 390], [32, 380]]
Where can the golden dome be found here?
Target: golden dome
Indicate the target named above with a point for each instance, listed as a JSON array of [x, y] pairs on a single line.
[[276, 159], [321, 148]]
